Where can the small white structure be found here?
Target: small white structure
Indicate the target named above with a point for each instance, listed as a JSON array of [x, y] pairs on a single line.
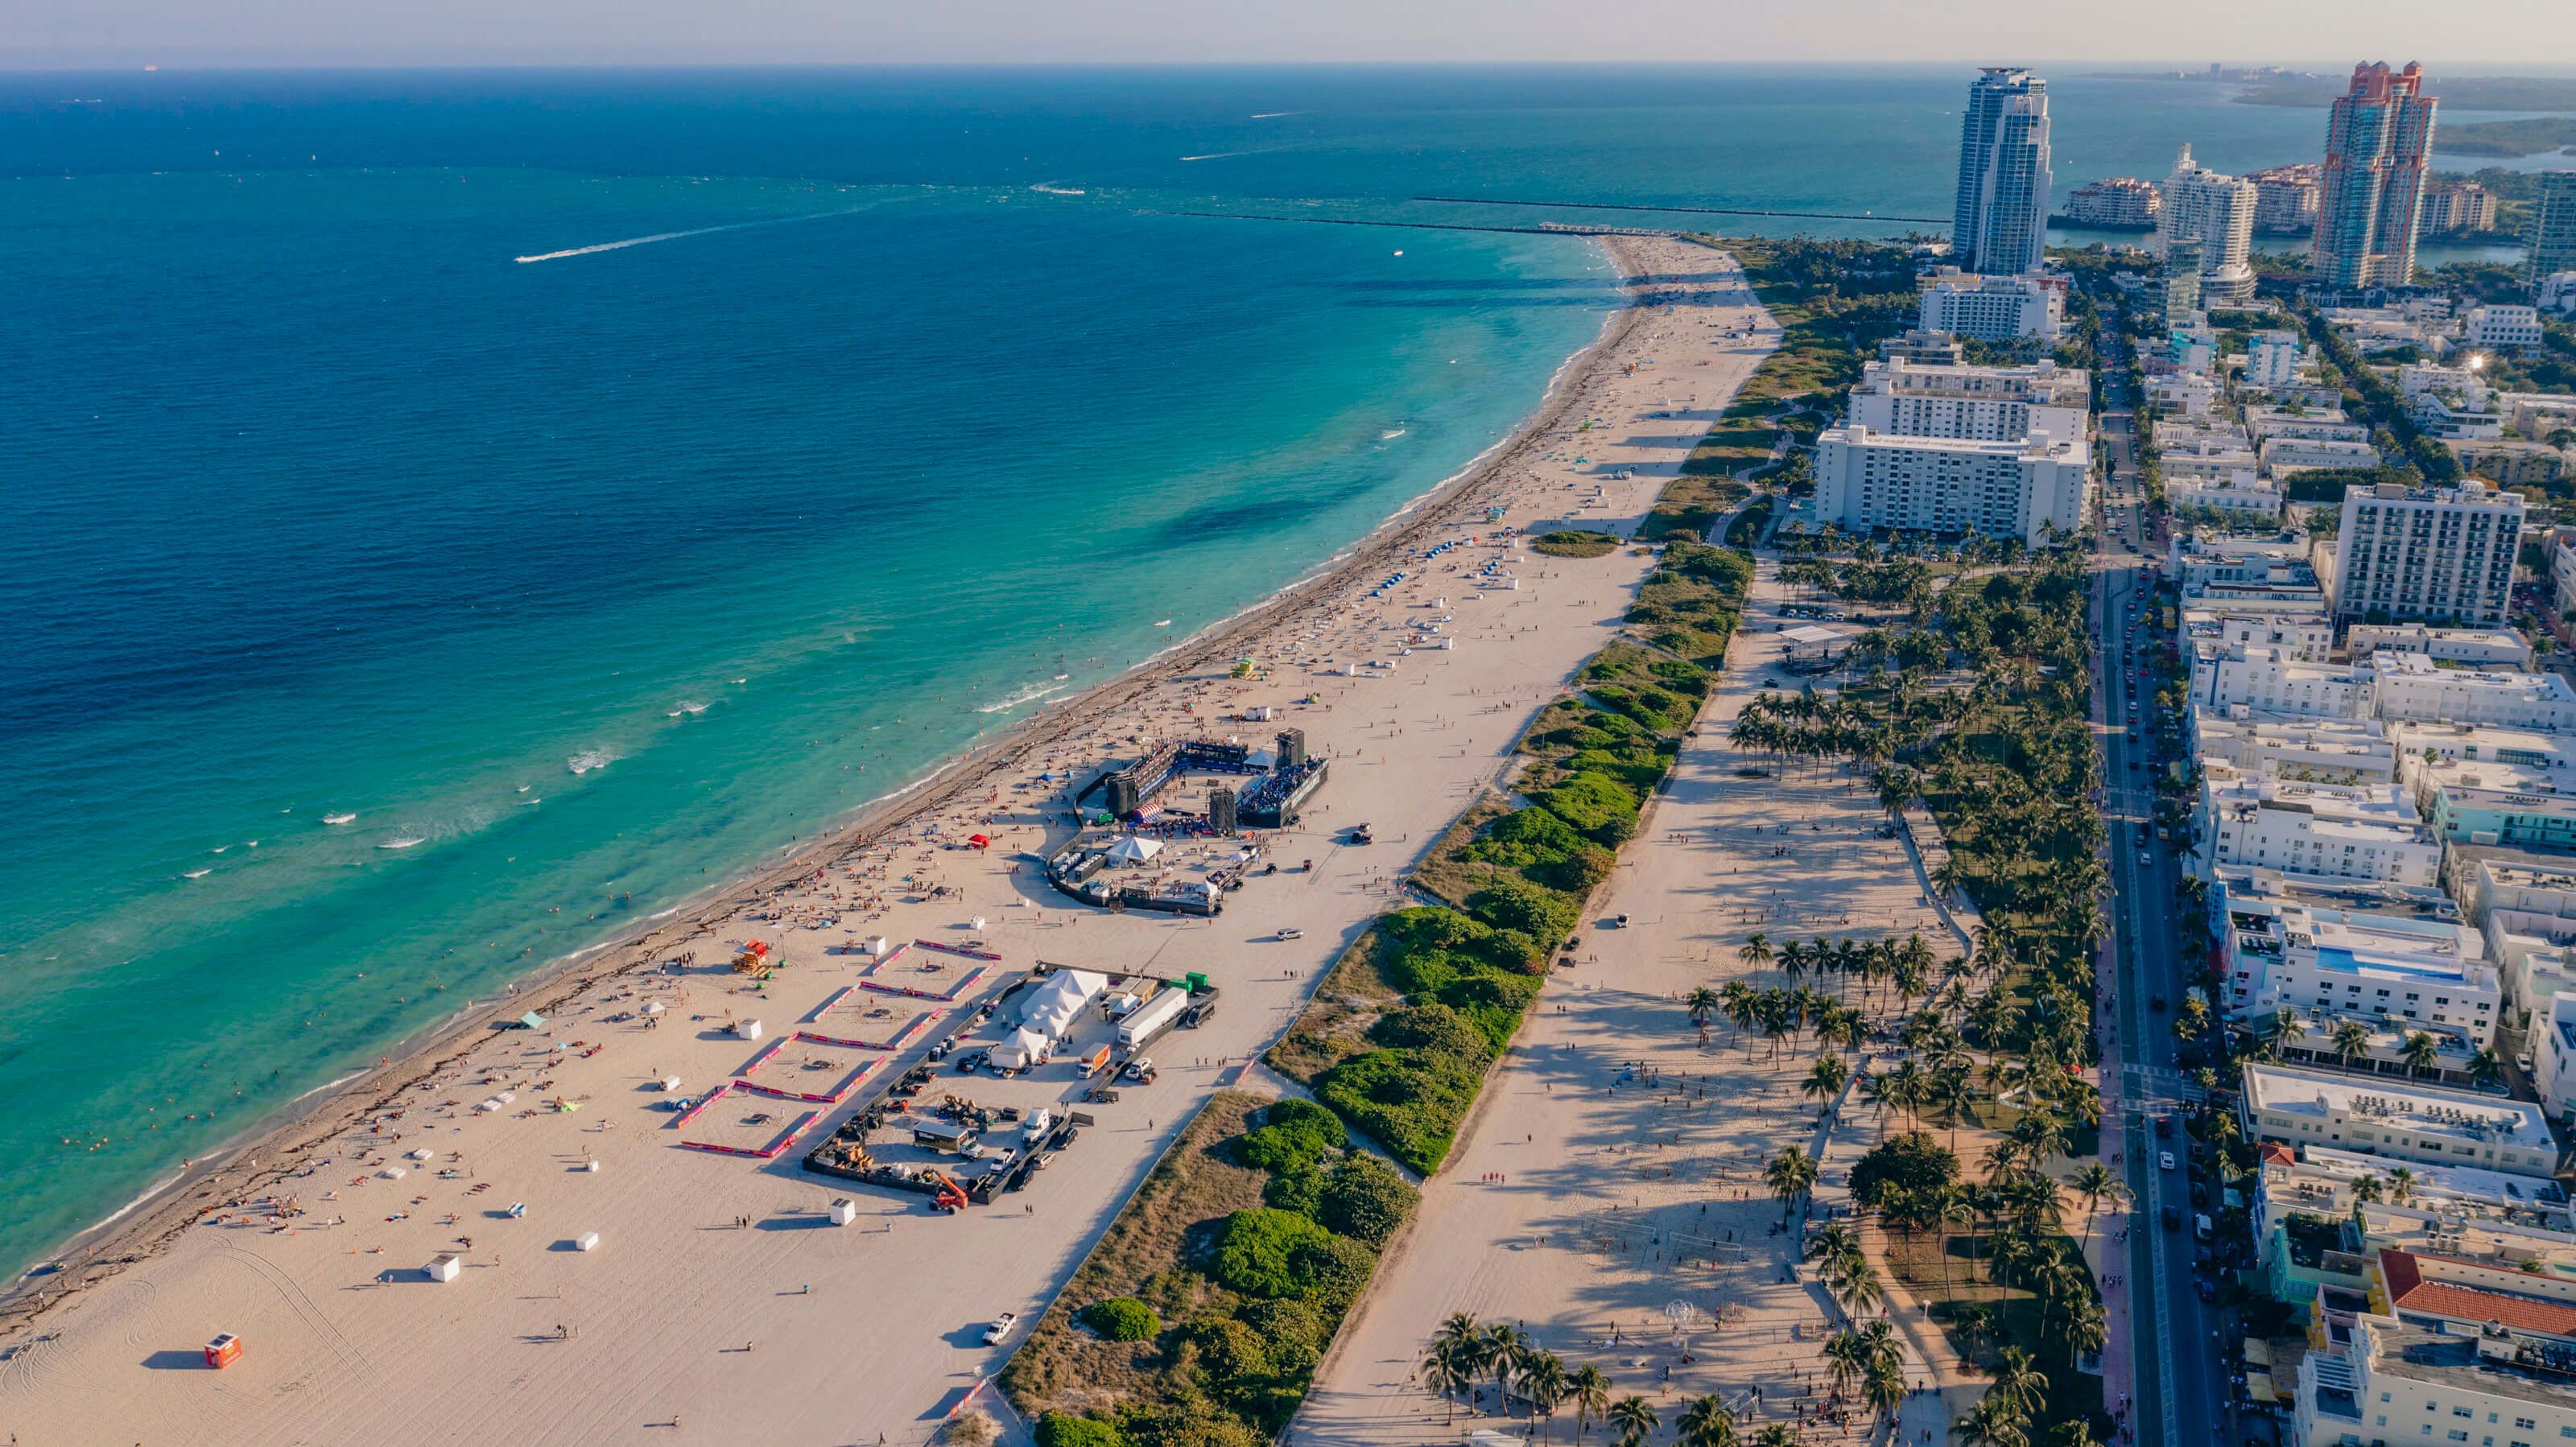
[[875, 945], [654, 1007], [1134, 850], [668, 1083], [748, 1029], [422, 1154], [844, 1211], [445, 1266], [392, 1173], [586, 1241], [1025, 1048], [591, 1165], [976, 924]]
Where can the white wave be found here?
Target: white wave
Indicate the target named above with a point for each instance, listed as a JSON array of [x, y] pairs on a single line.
[[196, 874], [1390, 436], [677, 235], [1059, 190], [402, 841], [589, 759], [1275, 115], [339, 818], [688, 706], [524, 803], [1030, 694], [1217, 156], [1166, 623]]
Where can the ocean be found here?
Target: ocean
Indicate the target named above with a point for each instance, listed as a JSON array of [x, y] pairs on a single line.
[[595, 481]]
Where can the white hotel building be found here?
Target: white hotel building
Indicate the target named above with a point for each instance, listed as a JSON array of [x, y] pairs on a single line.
[[1993, 308], [2031, 488], [2324, 831], [2426, 552]]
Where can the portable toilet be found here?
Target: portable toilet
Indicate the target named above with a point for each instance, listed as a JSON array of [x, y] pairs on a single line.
[[444, 1266], [586, 1241], [844, 1211], [876, 945], [223, 1351]]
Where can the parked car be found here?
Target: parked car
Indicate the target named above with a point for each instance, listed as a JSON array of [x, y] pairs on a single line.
[[2165, 1162], [1000, 1331]]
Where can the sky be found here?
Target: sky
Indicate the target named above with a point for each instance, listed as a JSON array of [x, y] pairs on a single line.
[[2525, 35]]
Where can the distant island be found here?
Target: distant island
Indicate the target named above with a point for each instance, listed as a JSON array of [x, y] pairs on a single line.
[[2467, 92], [2508, 138]]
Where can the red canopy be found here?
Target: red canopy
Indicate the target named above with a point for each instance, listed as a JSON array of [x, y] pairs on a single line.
[[980, 841]]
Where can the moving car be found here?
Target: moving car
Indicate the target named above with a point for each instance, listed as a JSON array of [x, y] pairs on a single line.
[[1000, 1331], [2164, 1161]]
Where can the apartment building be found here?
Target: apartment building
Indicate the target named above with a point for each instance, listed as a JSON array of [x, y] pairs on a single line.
[[2427, 552], [1988, 404], [1992, 307], [2032, 488], [2395, 1121], [2325, 831]]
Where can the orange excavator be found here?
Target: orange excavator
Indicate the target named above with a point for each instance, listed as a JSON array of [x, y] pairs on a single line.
[[950, 1197]]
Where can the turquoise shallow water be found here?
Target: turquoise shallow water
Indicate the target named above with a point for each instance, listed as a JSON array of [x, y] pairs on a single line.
[[321, 501]]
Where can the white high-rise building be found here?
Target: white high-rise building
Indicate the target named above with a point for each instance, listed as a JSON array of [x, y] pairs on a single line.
[[2427, 552], [2030, 487], [2218, 211], [2274, 359], [2000, 225], [1991, 404], [1993, 308]]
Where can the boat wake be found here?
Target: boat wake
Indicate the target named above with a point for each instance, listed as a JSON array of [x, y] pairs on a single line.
[[339, 818], [1391, 435], [678, 235], [589, 759]]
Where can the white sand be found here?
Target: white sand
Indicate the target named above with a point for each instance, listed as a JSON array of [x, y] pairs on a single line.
[[1567, 1201], [346, 1340]]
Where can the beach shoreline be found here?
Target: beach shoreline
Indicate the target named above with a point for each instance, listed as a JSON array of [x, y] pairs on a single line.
[[274, 1148]]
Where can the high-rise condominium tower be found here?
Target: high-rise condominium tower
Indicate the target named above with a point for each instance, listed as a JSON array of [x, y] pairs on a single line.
[[2372, 193], [2002, 223], [2219, 211]]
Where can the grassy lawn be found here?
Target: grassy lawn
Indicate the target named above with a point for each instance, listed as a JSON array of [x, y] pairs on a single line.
[[1947, 1288], [1575, 544]]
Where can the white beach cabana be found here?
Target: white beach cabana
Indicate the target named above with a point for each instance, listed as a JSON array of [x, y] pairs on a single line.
[[1133, 850]]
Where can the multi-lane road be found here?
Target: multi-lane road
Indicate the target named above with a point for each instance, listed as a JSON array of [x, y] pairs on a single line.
[[2177, 1340]]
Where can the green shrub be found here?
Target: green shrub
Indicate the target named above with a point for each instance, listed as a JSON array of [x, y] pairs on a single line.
[[1257, 1252], [1191, 1421], [1333, 1271], [1600, 806], [1540, 913], [1122, 1318], [1574, 544], [1229, 1351], [1293, 1136], [1529, 836], [1366, 1199], [1291, 1329], [1063, 1429], [1298, 1191], [1432, 1028]]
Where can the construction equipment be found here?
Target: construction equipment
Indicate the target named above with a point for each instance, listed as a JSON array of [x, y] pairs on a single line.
[[950, 1197]]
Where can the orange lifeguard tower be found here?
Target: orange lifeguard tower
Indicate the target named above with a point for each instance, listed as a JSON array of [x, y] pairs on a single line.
[[223, 1351]]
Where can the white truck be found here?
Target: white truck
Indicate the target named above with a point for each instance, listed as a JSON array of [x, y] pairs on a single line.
[[1152, 1018]]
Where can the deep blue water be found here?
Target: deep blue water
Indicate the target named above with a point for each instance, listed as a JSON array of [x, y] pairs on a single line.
[[320, 501]]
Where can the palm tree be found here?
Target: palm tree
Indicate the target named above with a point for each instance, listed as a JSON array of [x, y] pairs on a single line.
[[1543, 1381], [1778, 1434], [1756, 950], [2087, 1328], [1854, 1283], [1825, 1079], [2486, 1067], [1846, 1358], [1884, 1387], [2351, 1041], [1589, 1390], [1635, 1418], [1503, 1345], [2075, 1433], [1450, 1369], [2366, 1190], [1708, 1422], [2096, 1183], [1703, 1003], [2401, 1184], [2017, 1381], [1791, 1175], [1990, 1423], [2419, 1054]]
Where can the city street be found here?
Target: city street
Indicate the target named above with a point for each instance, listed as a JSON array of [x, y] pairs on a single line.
[[2177, 1340]]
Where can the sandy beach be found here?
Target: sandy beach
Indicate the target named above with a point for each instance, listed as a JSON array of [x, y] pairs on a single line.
[[1613, 1168], [720, 1304]]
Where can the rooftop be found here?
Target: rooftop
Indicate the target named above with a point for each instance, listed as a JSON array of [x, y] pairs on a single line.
[[2423, 1110]]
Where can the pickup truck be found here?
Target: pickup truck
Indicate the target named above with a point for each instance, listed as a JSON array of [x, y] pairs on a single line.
[[1000, 1331]]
